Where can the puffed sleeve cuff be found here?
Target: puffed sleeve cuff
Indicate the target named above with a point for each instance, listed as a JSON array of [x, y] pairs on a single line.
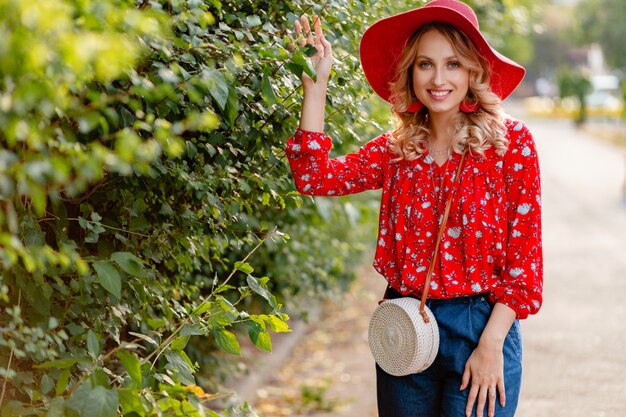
[[520, 301], [306, 142]]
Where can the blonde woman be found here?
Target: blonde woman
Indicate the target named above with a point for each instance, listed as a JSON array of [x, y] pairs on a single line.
[[445, 84]]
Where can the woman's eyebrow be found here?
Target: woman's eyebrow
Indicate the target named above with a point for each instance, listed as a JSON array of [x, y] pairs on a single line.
[[449, 58]]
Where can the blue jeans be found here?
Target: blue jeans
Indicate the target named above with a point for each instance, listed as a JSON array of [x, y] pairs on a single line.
[[435, 392]]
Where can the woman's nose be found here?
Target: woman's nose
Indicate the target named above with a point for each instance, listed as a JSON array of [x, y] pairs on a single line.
[[439, 76]]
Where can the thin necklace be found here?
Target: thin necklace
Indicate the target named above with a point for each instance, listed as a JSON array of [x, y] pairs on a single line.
[[442, 151]]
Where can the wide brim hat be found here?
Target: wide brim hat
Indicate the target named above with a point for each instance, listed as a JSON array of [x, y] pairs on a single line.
[[383, 42]]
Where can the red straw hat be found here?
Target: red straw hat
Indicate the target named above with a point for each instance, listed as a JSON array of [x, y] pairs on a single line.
[[383, 42]]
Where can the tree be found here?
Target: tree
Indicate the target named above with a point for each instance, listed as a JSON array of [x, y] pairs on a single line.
[[574, 83], [602, 21]]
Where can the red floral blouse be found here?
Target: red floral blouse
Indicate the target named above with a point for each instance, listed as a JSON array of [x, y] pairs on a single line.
[[492, 240]]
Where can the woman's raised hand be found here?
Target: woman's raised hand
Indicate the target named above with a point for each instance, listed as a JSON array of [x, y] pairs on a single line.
[[323, 60]]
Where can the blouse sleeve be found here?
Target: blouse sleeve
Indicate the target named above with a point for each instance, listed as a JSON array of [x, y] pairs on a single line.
[[315, 173], [522, 278]]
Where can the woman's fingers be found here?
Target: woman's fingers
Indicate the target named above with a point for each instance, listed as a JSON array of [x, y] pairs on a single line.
[[471, 399], [301, 38], [310, 38], [481, 395], [491, 400], [466, 378], [502, 393]]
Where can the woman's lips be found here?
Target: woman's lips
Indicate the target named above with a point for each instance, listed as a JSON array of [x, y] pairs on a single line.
[[439, 94]]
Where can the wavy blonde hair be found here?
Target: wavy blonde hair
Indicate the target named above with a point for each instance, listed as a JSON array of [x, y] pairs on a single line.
[[479, 130]]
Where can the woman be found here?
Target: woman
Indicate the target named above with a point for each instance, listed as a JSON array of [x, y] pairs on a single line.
[[445, 84]]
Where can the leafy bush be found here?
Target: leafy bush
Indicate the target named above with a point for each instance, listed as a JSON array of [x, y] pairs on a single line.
[[145, 196]]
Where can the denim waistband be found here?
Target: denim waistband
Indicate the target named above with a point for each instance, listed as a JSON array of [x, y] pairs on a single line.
[[391, 293]]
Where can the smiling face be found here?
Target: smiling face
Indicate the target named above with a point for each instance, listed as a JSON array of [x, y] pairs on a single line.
[[440, 81]]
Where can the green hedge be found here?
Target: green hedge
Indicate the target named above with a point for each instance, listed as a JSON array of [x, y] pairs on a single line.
[[145, 197]]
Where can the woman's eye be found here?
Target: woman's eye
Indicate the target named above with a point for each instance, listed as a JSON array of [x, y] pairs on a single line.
[[424, 64], [454, 65]]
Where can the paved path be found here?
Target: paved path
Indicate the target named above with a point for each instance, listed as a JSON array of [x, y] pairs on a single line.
[[574, 349]]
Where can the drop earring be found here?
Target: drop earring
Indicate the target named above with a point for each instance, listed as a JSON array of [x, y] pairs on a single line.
[[468, 107], [415, 107]]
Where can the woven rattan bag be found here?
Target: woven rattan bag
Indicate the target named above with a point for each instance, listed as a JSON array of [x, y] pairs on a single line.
[[403, 334]]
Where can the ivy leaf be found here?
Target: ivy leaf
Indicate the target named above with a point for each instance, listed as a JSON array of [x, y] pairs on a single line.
[[130, 264], [109, 277], [227, 341], [131, 364]]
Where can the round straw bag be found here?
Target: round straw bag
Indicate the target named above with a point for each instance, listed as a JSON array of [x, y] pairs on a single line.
[[401, 341]]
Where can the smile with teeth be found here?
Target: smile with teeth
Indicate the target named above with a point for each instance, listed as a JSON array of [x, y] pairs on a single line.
[[440, 93]]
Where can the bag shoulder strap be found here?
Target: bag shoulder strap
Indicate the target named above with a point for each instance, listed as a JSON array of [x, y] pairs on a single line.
[[433, 262]]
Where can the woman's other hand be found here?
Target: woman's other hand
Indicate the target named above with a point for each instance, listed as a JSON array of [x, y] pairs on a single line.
[[484, 370], [323, 60]]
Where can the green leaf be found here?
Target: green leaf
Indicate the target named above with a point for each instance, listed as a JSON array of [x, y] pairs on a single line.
[[227, 341], [130, 400], [253, 20], [244, 267], [218, 88], [56, 408], [180, 363], [93, 344], [131, 364], [259, 287], [299, 58], [267, 91], [179, 343], [62, 381], [144, 337], [100, 378], [259, 335], [109, 277], [222, 318], [202, 308], [276, 324], [130, 264], [61, 363], [192, 330], [232, 107], [295, 69], [94, 402]]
